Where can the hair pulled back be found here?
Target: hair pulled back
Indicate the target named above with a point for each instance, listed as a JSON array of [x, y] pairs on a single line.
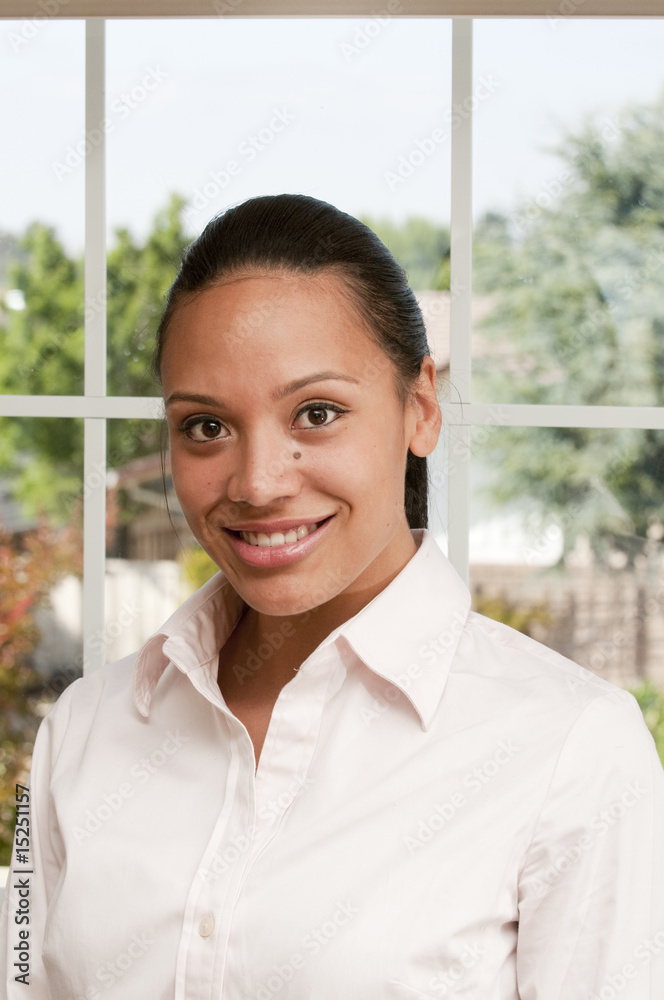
[[304, 235]]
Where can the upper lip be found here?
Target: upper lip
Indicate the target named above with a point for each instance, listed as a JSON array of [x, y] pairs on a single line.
[[279, 524]]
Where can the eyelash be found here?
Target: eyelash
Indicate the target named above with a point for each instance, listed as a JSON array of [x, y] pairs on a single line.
[[197, 420], [320, 406]]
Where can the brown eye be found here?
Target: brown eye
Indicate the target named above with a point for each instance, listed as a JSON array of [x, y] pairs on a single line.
[[204, 429], [210, 428], [318, 415]]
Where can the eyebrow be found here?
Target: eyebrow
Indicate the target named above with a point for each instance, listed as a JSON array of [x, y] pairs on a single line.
[[282, 393], [191, 397], [300, 383]]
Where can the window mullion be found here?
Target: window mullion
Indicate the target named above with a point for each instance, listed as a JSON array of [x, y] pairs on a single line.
[[94, 468], [461, 247]]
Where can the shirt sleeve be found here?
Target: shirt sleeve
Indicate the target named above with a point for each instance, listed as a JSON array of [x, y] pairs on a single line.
[[591, 891], [34, 871]]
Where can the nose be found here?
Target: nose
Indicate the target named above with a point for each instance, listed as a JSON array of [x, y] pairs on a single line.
[[263, 470]]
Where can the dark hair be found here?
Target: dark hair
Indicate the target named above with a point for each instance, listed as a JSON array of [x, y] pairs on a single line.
[[302, 234]]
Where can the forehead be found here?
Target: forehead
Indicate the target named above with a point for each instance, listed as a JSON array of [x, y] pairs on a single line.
[[274, 317]]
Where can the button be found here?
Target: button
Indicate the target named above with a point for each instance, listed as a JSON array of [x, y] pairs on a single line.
[[206, 926]]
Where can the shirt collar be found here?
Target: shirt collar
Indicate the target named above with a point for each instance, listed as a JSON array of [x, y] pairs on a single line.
[[191, 638], [408, 634]]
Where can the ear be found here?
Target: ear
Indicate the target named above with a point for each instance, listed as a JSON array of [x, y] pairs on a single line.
[[425, 418]]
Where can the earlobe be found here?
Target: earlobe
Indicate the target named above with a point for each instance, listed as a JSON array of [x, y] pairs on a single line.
[[427, 418]]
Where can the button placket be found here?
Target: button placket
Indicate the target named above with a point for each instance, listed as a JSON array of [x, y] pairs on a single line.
[[282, 772], [202, 952]]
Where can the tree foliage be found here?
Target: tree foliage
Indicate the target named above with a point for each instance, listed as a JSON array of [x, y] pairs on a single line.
[[651, 703], [42, 350], [421, 247], [576, 281]]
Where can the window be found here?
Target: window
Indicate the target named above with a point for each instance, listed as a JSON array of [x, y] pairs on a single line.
[[118, 127]]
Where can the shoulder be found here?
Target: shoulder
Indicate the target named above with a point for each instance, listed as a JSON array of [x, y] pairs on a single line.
[[80, 702], [500, 651], [546, 696], [111, 680]]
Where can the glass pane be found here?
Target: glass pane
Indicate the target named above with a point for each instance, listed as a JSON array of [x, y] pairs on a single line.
[[40, 588], [569, 203], [42, 176], [567, 543], [207, 113]]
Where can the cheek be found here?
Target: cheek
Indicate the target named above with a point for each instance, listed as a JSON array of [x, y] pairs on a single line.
[[365, 470], [192, 480]]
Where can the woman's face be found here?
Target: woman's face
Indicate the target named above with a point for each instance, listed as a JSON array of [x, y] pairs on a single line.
[[270, 366]]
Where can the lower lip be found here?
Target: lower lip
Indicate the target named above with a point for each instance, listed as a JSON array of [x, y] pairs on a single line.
[[267, 557]]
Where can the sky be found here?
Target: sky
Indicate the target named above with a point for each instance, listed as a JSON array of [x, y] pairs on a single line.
[[221, 109]]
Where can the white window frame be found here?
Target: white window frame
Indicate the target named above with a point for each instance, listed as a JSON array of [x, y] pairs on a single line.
[[95, 407]]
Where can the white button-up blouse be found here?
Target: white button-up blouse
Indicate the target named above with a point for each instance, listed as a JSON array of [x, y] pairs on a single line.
[[442, 808]]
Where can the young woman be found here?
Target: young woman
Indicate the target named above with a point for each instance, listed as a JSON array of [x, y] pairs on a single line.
[[325, 777]]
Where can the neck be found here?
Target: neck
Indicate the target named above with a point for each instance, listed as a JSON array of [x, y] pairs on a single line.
[[283, 643], [273, 647]]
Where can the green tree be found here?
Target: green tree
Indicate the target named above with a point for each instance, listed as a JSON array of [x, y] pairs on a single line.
[[651, 703], [42, 347], [576, 281], [139, 276]]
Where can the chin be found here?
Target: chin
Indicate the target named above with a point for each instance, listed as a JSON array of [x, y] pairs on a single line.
[[285, 595], [278, 606]]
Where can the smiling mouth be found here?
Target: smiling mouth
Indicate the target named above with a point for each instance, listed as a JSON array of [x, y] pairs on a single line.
[[278, 538]]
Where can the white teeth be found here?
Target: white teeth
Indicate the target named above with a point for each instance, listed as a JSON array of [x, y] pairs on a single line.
[[278, 537]]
